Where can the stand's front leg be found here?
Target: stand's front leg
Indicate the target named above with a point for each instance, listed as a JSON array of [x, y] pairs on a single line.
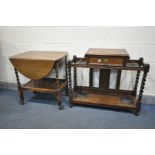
[[66, 75], [20, 91], [138, 107], [70, 98], [70, 84]]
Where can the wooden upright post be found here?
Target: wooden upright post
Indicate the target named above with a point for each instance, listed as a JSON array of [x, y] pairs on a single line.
[[20, 91]]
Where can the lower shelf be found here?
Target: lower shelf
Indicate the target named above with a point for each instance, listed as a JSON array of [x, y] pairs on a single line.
[[88, 98], [45, 85]]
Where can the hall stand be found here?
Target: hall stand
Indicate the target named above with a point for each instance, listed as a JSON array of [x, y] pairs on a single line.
[[103, 96]]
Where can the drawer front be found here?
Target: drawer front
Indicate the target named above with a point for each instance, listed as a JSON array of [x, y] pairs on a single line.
[[106, 61]]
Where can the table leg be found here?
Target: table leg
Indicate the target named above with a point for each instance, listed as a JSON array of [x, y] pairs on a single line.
[[21, 94], [58, 94], [58, 98], [20, 91]]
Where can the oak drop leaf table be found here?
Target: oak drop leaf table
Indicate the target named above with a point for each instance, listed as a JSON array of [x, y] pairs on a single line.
[[37, 65]]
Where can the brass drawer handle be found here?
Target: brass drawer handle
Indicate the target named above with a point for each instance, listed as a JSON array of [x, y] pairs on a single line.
[[102, 60], [105, 60]]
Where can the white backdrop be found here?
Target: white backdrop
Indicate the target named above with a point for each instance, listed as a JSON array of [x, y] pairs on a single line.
[[139, 42]]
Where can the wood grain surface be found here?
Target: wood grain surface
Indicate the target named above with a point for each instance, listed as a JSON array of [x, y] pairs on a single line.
[[107, 52], [36, 64]]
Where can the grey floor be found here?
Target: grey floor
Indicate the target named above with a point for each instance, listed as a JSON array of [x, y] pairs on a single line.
[[40, 112]]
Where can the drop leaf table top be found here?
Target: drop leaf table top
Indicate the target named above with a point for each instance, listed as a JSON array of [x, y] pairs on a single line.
[[36, 64]]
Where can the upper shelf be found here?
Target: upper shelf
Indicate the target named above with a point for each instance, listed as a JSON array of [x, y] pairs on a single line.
[[129, 65]]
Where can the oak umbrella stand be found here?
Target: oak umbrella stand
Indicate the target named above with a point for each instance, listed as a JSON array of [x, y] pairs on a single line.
[[106, 60]]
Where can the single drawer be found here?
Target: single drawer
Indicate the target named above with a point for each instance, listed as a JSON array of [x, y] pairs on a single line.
[[106, 61]]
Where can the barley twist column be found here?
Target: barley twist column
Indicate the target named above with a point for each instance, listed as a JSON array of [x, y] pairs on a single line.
[[20, 91]]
